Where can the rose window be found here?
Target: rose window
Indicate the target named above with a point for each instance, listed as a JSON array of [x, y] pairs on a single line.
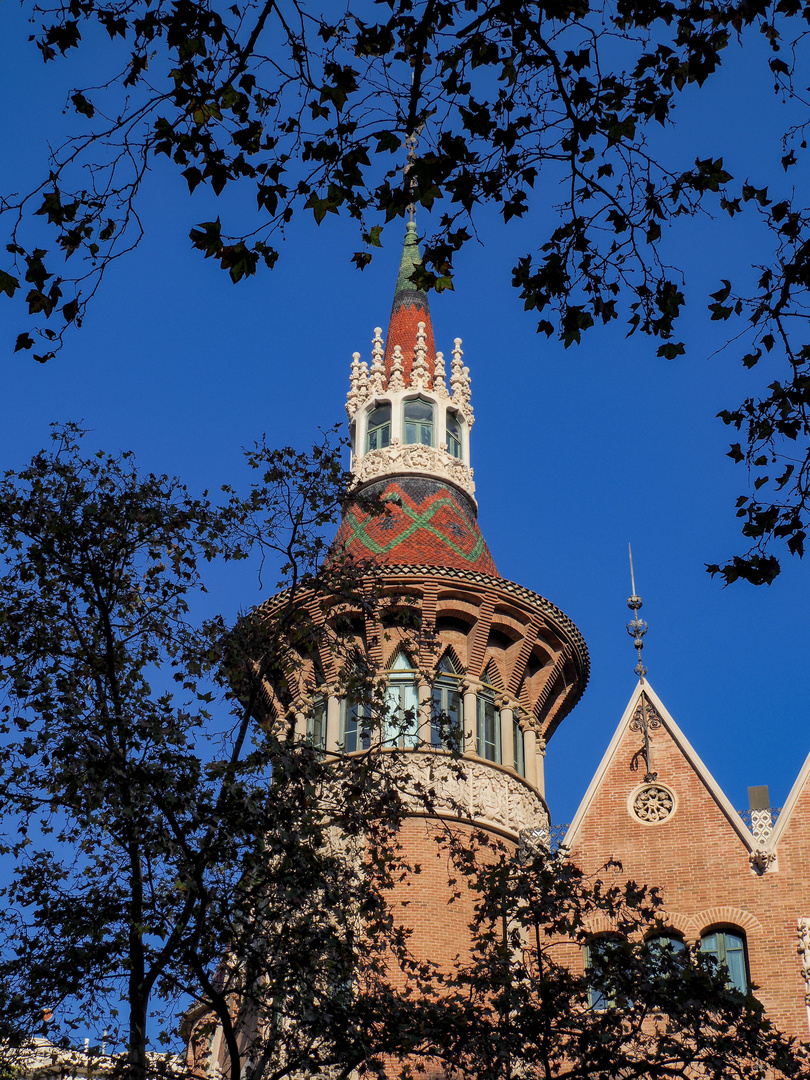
[[653, 803]]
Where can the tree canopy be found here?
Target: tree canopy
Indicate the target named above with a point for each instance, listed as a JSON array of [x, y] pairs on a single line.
[[516, 104], [176, 852]]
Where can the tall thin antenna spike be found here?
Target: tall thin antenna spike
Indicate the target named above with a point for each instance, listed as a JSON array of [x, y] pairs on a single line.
[[636, 628], [632, 577]]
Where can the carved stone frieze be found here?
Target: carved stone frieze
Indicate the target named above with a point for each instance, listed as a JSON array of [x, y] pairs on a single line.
[[471, 789], [397, 458]]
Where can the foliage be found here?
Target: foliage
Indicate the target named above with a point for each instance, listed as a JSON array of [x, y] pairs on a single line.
[[164, 838], [175, 849], [523, 1003], [517, 103]]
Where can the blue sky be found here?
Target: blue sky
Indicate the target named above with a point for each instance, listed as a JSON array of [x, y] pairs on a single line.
[[575, 453]]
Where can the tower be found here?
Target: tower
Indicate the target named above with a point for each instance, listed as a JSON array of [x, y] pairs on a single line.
[[494, 666]]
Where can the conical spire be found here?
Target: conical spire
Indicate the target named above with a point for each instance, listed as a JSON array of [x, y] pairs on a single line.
[[410, 308], [417, 462]]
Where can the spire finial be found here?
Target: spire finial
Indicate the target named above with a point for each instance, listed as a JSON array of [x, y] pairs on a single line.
[[636, 628], [410, 142]]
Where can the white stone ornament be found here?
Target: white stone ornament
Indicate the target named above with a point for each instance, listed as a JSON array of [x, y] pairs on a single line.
[[355, 396], [377, 374], [803, 928], [417, 458], [652, 803], [470, 789], [420, 375], [460, 384], [439, 384], [397, 381]]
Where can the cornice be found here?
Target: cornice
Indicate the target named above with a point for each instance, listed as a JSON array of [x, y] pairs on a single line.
[[384, 573]]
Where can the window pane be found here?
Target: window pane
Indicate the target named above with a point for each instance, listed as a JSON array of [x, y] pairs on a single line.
[[418, 422], [728, 949], [517, 735], [489, 729], [445, 723], [597, 965], [402, 722], [735, 962], [453, 428], [379, 428], [665, 941], [354, 734], [418, 410], [316, 725]]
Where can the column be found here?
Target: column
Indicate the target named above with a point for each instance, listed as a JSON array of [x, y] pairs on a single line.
[[530, 749], [300, 726], [507, 739], [470, 722], [332, 724], [540, 766], [425, 702]]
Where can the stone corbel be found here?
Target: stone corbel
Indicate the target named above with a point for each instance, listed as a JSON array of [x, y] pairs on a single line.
[[762, 860]]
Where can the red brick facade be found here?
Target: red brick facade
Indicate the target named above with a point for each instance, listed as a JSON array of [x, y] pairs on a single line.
[[402, 331], [712, 871]]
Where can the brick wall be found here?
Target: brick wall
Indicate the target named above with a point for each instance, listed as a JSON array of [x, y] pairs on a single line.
[[700, 860]]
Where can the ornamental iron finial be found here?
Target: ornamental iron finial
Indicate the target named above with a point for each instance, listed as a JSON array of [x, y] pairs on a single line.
[[410, 142], [646, 721], [636, 628]]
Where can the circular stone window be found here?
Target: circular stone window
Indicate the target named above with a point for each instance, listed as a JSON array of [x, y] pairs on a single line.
[[651, 803]]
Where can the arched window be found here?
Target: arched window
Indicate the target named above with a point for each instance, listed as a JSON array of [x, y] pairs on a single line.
[[599, 964], [378, 434], [489, 725], [728, 949], [453, 435], [402, 698], [660, 943], [316, 724], [666, 954], [446, 728], [517, 736], [417, 422], [355, 727]]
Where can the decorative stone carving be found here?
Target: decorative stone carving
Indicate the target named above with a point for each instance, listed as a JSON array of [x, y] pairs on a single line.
[[358, 386], [471, 789], [803, 927], [762, 860], [439, 385], [763, 857], [397, 381], [652, 803], [420, 373], [377, 374], [460, 384], [417, 458]]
